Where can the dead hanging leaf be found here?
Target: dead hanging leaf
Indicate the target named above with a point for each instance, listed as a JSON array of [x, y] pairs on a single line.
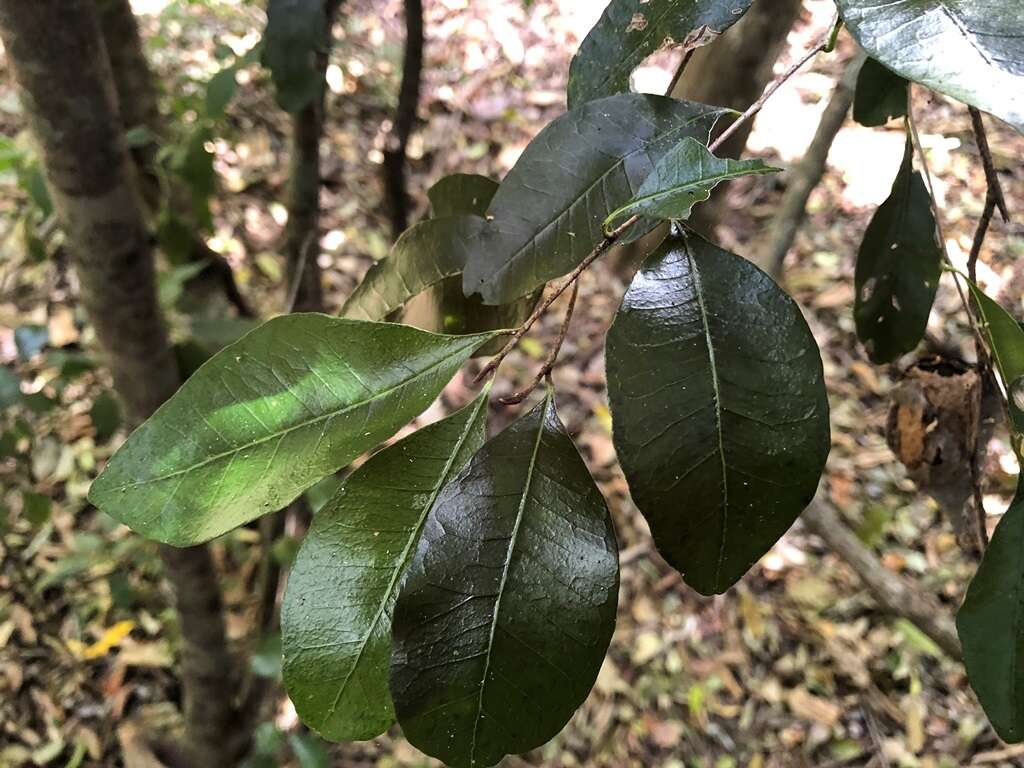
[[933, 429]]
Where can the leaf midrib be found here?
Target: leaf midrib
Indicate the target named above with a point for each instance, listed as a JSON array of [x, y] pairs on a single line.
[[699, 288], [531, 243], [698, 185], [504, 578], [406, 554], [283, 433]]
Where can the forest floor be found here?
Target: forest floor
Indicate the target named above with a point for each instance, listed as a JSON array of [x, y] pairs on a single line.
[[795, 666]]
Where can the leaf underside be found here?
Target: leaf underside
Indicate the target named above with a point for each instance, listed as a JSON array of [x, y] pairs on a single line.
[[631, 30], [968, 49], [990, 624], [898, 269], [719, 407], [508, 606], [269, 416], [547, 215], [336, 615]]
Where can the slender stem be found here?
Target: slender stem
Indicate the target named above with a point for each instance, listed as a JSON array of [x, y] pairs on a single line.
[[980, 233], [991, 175], [979, 340], [916, 138], [756, 107], [552, 358], [600, 249], [613, 237]]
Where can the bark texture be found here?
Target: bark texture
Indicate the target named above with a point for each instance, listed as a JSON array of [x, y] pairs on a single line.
[[138, 104], [806, 175], [55, 49], [302, 234]]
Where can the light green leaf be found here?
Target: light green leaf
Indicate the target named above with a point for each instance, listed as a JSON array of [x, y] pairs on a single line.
[[631, 30], [968, 49], [548, 213], [1005, 338], [719, 407], [682, 178], [506, 610], [268, 417], [338, 650], [423, 257]]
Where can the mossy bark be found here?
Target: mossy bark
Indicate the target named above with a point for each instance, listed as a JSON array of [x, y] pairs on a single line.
[[56, 52]]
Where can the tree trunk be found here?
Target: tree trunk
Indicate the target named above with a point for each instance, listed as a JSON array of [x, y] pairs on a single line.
[[302, 234], [139, 106], [733, 72], [69, 97], [405, 118]]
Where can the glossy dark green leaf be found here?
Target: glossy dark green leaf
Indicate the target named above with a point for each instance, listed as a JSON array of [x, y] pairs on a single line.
[[296, 33], [682, 178], [424, 256], [881, 95], [972, 50], [547, 215], [461, 193], [719, 407], [336, 617], [631, 30], [898, 269], [991, 626], [1005, 337], [508, 606], [269, 416]]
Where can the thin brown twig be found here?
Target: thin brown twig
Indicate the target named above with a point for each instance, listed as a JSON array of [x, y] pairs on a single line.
[[523, 329], [754, 108], [979, 340], [979, 235], [609, 240], [552, 358], [995, 186]]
